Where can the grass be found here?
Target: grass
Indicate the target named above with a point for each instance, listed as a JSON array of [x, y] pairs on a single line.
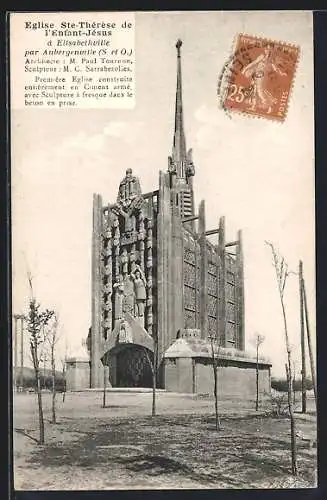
[[122, 447]]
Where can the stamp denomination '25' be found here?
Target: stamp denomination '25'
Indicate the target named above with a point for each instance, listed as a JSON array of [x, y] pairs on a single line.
[[261, 77]]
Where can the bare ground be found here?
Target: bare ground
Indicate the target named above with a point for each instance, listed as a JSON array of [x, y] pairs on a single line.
[[122, 447]]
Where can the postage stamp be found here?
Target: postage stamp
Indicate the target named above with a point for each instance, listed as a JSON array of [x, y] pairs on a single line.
[[260, 77]]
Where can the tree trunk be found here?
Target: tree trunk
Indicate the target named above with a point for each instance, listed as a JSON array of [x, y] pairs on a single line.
[[215, 386], [257, 381], [291, 412], [39, 400], [215, 376], [53, 366], [289, 393], [303, 363], [312, 365], [64, 382], [294, 392], [154, 382], [282, 274], [104, 387]]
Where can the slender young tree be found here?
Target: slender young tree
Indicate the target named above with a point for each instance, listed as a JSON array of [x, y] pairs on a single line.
[[294, 380], [312, 365], [104, 387], [36, 321], [259, 339], [281, 269], [53, 338], [215, 350], [63, 364], [105, 380], [154, 369]]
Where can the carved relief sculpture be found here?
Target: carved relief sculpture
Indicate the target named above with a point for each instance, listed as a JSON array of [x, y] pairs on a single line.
[[190, 170], [129, 189], [140, 293], [119, 298], [149, 265], [172, 169], [124, 261], [132, 257], [141, 236], [129, 295], [125, 335]]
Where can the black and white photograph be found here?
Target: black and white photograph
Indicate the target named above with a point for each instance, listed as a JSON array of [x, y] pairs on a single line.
[[163, 250]]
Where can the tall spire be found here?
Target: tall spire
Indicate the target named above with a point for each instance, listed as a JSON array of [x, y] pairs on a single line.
[[179, 145]]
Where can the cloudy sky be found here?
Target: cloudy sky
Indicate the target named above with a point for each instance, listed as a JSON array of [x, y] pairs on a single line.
[[257, 173]]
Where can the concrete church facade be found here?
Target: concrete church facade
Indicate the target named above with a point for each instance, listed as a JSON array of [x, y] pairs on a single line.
[[161, 280]]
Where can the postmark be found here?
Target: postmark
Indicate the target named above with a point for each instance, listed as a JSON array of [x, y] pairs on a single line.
[[258, 78]]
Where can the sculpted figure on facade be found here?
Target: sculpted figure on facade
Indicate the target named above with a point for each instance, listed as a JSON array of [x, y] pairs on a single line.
[[106, 306], [106, 251], [116, 232], [119, 297], [124, 261], [172, 169], [107, 232], [128, 302], [140, 291], [190, 169], [125, 335], [107, 270], [106, 288], [129, 202], [141, 231], [129, 189], [128, 296], [130, 223]]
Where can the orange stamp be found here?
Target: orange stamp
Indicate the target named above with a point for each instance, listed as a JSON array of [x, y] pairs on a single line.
[[261, 77]]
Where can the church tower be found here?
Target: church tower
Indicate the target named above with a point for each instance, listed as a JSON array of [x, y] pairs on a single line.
[[180, 163], [158, 275]]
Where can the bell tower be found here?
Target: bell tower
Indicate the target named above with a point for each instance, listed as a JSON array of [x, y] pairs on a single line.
[[180, 163]]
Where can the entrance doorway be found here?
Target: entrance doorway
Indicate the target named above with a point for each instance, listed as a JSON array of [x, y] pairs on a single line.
[[133, 369]]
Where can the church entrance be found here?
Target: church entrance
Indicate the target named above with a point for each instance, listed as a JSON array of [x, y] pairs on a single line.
[[133, 369]]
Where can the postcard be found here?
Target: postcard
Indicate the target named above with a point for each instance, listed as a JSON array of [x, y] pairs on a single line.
[[163, 250]]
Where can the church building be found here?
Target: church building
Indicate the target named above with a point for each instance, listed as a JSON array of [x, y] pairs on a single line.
[[163, 281]]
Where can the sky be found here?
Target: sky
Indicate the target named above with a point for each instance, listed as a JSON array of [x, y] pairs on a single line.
[[258, 173]]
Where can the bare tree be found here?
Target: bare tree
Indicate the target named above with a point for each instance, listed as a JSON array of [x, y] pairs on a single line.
[[36, 321], [259, 339], [64, 367], [53, 338], [154, 369], [104, 387], [294, 380], [312, 365], [281, 269], [215, 351], [105, 379], [63, 363]]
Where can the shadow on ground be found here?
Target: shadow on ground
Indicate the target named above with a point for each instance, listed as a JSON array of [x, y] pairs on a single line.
[[23, 432], [244, 453]]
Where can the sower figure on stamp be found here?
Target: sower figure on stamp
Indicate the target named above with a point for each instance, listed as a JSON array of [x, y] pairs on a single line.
[[256, 71], [140, 293]]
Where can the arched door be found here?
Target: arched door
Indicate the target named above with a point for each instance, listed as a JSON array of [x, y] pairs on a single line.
[[133, 368]]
